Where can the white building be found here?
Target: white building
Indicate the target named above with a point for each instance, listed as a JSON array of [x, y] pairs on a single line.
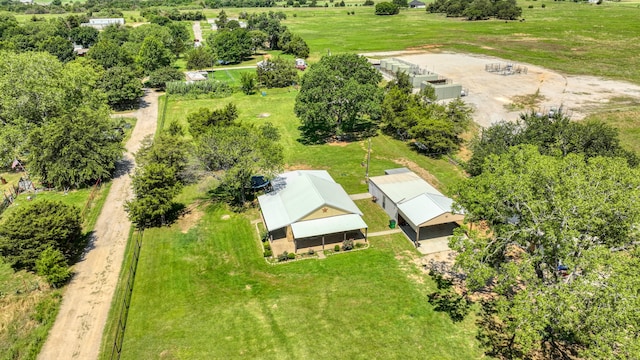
[[308, 209], [417, 207], [100, 24]]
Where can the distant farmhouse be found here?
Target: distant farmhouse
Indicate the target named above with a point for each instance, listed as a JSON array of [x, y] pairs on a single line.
[[418, 208], [100, 24], [415, 4], [307, 209]]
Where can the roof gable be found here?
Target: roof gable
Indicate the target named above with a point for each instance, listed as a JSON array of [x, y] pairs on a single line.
[[301, 193], [425, 207], [402, 186]]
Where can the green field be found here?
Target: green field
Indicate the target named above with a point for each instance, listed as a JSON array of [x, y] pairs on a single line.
[[208, 294], [344, 161]]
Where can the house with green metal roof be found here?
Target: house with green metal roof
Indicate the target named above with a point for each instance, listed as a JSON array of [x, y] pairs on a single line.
[[308, 209]]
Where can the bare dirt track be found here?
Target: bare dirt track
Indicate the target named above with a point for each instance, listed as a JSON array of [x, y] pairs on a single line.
[[493, 95], [77, 331]]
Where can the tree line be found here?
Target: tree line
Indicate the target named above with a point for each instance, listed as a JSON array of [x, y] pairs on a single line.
[[477, 9]]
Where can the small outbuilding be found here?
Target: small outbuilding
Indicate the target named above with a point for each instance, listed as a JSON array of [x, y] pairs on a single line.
[[420, 210], [307, 209], [415, 4], [193, 76], [102, 23]]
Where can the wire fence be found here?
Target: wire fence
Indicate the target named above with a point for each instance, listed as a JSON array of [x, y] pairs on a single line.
[[92, 196], [125, 303]]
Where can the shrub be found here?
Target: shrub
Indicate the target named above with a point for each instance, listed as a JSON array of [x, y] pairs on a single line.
[[347, 244], [544, 6], [387, 8], [159, 78], [283, 257], [53, 266], [311, 251], [268, 252], [336, 248], [29, 230], [248, 83], [291, 256], [267, 246]]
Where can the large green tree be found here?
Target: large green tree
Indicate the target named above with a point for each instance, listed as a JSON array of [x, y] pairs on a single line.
[[35, 88], [155, 185], [122, 87], [232, 46], [434, 129], [33, 227], [153, 54], [339, 96], [553, 134], [277, 73], [240, 152], [160, 77], [74, 149], [200, 58], [558, 256], [109, 53]]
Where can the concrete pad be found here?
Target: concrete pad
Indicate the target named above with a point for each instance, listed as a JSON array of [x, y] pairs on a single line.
[[434, 245]]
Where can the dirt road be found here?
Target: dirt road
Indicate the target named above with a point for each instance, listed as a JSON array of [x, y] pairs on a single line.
[[77, 332], [197, 31]]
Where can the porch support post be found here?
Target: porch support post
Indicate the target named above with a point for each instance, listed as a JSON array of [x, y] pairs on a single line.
[[366, 233], [322, 242], [417, 234]]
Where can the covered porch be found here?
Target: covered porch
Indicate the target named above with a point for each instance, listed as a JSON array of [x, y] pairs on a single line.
[[318, 234]]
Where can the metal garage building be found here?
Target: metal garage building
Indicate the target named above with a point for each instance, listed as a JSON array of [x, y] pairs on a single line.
[[420, 210]]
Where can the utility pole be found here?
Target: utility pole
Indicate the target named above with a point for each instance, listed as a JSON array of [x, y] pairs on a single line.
[[368, 158]]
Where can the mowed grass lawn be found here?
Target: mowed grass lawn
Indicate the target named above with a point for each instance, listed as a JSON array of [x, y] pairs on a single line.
[[346, 162], [208, 294]]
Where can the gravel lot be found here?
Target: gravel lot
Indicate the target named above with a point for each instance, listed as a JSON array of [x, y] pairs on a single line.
[[491, 94]]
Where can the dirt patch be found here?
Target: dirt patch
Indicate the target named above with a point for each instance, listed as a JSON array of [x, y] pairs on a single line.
[[418, 170], [263, 115], [299, 167], [225, 217], [430, 47], [338, 143], [189, 219]]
